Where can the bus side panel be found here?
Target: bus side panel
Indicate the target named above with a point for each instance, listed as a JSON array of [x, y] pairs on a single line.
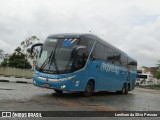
[[133, 75], [121, 78], [105, 78]]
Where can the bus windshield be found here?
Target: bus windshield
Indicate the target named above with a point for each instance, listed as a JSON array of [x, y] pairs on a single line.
[[55, 55]]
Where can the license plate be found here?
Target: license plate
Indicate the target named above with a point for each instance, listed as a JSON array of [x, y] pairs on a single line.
[[46, 85]]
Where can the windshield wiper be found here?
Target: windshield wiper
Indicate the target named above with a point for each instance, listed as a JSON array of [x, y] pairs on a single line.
[[46, 61], [53, 60]]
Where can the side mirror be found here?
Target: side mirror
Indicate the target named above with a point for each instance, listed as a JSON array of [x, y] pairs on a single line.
[[75, 49], [35, 45]]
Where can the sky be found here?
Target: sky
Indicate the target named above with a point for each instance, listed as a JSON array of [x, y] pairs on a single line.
[[130, 25]]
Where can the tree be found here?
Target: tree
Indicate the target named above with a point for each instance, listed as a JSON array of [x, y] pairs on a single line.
[[3, 57], [4, 63], [26, 45], [17, 60], [1, 54], [26, 48], [158, 71], [158, 74], [21, 56]]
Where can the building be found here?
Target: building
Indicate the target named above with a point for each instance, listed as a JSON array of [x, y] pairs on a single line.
[[147, 75], [151, 70]]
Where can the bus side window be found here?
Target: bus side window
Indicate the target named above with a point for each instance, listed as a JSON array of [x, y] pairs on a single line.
[[81, 58], [98, 51], [110, 55], [88, 42], [105, 52], [132, 64], [117, 57], [124, 60]]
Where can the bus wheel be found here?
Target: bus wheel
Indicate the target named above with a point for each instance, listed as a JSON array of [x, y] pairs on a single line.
[[124, 89], [127, 89], [58, 91], [89, 89]]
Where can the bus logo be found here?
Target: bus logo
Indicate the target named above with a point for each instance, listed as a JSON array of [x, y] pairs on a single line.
[[68, 42], [110, 68]]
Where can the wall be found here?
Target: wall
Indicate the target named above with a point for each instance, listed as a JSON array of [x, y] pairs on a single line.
[[151, 70], [16, 72]]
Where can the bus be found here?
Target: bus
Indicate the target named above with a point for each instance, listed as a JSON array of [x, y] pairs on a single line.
[[144, 79], [83, 63]]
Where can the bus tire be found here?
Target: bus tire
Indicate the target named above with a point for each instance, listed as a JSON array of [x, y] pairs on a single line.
[[58, 91], [89, 89], [124, 89]]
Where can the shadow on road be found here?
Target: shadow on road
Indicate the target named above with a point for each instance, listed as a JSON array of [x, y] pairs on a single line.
[[79, 95]]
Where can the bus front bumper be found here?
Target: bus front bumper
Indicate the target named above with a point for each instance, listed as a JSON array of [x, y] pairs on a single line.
[[64, 85]]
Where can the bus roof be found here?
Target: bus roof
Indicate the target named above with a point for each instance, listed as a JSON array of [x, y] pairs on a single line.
[[78, 35]]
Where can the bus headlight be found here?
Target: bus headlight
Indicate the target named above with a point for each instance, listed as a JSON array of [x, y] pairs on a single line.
[[34, 82], [63, 86]]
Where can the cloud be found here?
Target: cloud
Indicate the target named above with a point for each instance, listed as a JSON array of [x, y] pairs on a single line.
[[4, 45], [142, 43], [130, 25]]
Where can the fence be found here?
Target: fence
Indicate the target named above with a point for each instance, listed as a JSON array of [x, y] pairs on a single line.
[[16, 72], [156, 81]]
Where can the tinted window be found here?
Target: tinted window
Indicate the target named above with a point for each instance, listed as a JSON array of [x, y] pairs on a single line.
[[112, 55], [98, 51], [88, 42], [80, 59], [132, 64], [124, 60]]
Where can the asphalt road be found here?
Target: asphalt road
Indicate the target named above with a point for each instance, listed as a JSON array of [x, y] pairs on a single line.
[[26, 97]]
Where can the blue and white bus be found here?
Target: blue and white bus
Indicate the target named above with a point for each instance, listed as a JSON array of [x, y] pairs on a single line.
[[84, 63]]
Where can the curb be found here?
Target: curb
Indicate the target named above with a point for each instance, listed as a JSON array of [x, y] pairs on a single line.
[[7, 76], [15, 81], [4, 80], [1, 80]]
